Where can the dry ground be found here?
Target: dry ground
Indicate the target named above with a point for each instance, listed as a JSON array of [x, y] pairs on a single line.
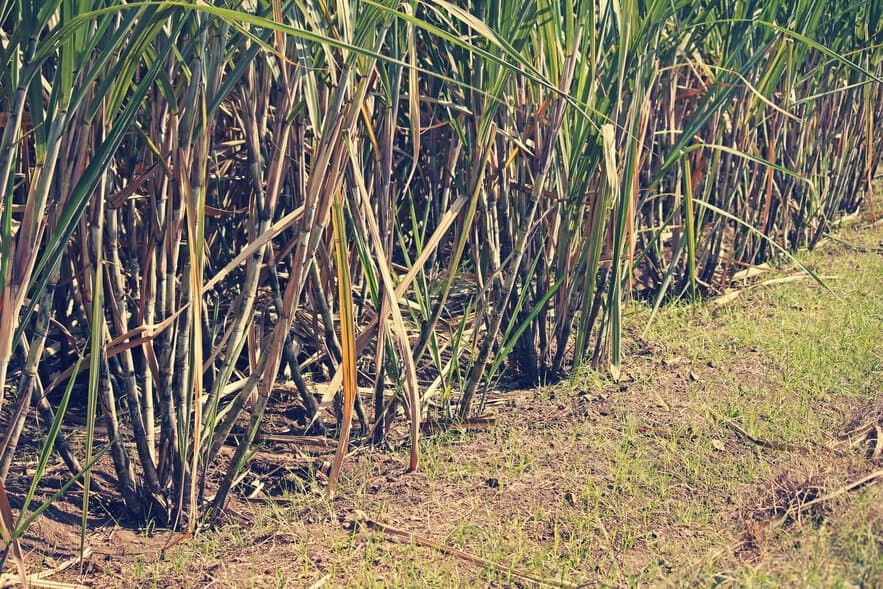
[[742, 447]]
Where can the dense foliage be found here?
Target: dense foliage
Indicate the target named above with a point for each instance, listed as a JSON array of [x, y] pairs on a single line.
[[399, 198]]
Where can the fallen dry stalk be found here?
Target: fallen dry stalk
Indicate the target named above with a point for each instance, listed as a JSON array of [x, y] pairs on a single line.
[[757, 441], [871, 478], [396, 533], [39, 579], [732, 295]]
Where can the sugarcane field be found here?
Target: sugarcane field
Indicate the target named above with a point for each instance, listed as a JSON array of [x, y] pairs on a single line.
[[436, 293]]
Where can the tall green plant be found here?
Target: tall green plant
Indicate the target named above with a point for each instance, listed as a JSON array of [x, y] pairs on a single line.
[[220, 195]]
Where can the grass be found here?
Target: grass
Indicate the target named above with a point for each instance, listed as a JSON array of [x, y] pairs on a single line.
[[642, 482]]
